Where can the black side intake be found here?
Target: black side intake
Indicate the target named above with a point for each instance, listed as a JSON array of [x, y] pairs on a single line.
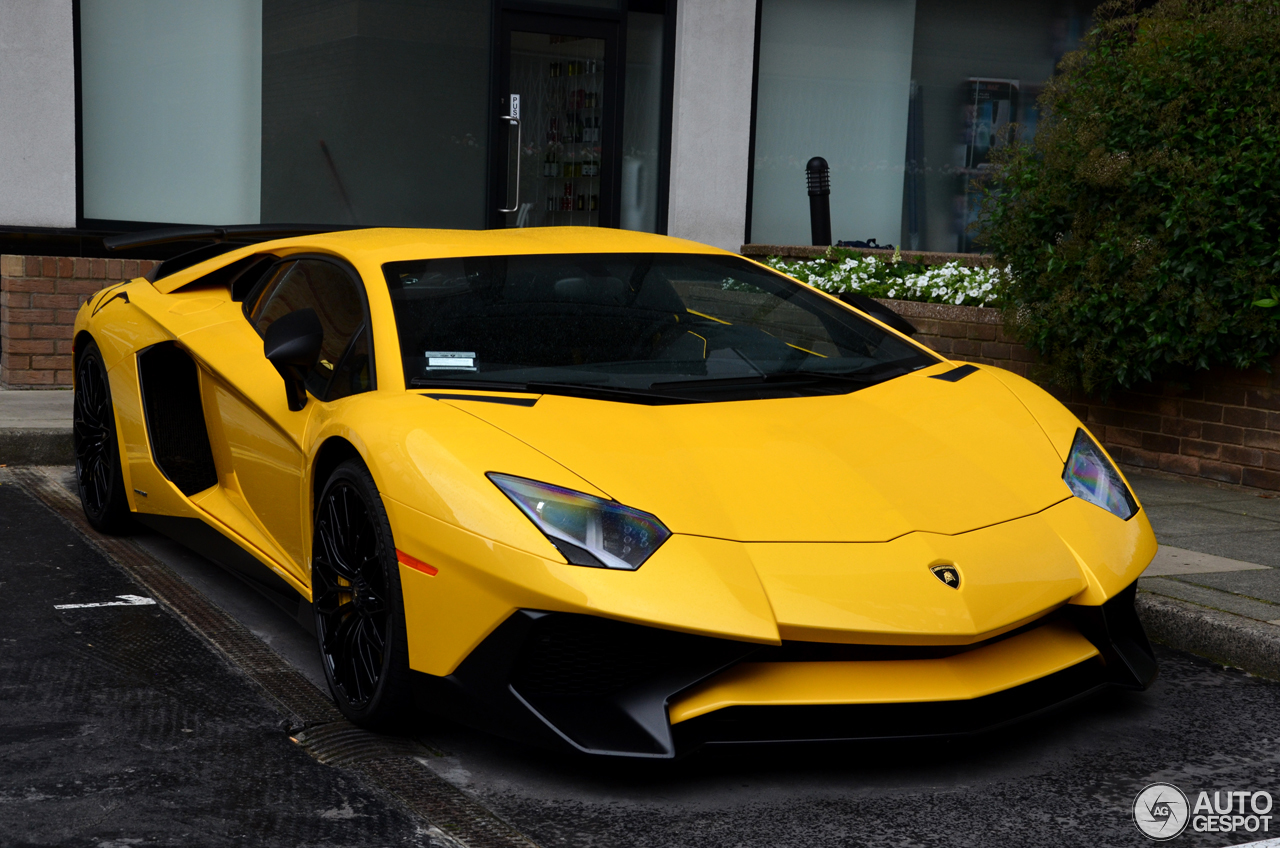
[[175, 417]]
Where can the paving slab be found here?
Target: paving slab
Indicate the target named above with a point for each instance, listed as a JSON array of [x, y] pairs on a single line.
[[1212, 599], [35, 410], [1263, 585], [1170, 560]]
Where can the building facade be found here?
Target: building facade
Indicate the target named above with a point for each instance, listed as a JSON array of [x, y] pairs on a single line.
[[688, 117]]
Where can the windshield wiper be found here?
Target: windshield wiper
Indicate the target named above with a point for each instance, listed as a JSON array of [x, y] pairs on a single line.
[[862, 377], [548, 387]]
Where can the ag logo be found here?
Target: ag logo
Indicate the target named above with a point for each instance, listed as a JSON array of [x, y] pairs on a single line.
[[948, 574], [1161, 812]]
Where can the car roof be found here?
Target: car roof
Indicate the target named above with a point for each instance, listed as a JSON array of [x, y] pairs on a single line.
[[393, 244]]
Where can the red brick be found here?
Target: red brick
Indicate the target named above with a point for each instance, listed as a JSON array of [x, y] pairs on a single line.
[[1121, 436], [28, 377], [113, 269], [48, 266], [1187, 465], [1140, 458], [1021, 354], [145, 266], [1273, 420], [1241, 417], [64, 378], [1264, 398], [65, 346], [1159, 444], [1229, 395], [15, 300], [1181, 427], [1217, 471], [29, 316], [129, 268], [26, 284], [79, 286], [1208, 450], [17, 331], [1242, 456], [1140, 421], [16, 363], [55, 362], [32, 346], [55, 301], [66, 316], [1262, 479], [981, 332], [34, 265], [50, 331], [941, 345], [1262, 439], [98, 268], [1201, 411], [1222, 434], [995, 350], [1271, 459], [66, 266]]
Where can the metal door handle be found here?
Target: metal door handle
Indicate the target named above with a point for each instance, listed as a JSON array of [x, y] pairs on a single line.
[[512, 119]]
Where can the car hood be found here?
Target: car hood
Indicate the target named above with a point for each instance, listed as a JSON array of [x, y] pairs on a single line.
[[911, 454]]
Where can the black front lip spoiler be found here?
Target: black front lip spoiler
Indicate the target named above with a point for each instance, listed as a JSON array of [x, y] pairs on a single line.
[[510, 685]]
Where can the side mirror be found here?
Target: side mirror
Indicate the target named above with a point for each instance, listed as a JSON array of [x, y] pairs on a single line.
[[878, 311], [292, 345]]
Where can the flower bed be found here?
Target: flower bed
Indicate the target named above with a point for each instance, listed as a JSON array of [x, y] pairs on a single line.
[[894, 278]]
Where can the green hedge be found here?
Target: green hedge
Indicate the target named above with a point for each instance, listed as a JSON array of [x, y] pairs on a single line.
[[1142, 225]]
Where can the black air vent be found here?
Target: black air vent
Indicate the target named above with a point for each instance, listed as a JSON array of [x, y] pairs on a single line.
[[175, 417]]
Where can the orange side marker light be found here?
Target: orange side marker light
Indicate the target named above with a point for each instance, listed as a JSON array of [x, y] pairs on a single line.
[[416, 564]]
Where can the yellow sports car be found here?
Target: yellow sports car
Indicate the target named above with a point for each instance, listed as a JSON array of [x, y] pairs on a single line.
[[616, 492]]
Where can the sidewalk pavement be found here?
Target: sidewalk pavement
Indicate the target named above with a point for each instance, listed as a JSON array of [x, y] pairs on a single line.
[[35, 427], [1213, 588]]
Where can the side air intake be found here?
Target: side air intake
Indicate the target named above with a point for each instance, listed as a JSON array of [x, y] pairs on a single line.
[[175, 417]]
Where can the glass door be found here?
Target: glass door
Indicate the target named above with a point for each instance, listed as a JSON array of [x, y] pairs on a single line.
[[554, 159]]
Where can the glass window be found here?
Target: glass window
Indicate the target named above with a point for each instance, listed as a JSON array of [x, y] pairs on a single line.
[[335, 297], [905, 99], [642, 122], [172, 110], [371, 112], [683, 327]]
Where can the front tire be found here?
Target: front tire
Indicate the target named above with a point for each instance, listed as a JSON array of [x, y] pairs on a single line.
[[99, 479], [359, 611]]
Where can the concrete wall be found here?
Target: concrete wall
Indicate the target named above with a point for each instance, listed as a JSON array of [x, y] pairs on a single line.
[[711, 124], [38, 114]]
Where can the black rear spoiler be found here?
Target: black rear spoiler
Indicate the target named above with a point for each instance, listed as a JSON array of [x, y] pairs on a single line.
[[221, 240]]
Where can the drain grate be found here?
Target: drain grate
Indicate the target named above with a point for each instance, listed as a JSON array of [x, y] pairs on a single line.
[[341, 743], [391, 763]]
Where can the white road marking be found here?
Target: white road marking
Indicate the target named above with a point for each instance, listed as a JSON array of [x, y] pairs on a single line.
[[1171, 560], [125, 601]]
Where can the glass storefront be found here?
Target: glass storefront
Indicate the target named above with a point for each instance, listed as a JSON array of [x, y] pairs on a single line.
[[371, 112], [905, 100]]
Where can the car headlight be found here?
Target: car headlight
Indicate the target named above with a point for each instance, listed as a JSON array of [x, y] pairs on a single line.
[[587, 530], [1090, 476]]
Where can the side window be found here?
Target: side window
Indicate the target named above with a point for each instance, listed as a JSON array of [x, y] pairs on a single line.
[[330, 291]]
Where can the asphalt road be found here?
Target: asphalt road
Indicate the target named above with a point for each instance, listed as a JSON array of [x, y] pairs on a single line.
[[121, 740]]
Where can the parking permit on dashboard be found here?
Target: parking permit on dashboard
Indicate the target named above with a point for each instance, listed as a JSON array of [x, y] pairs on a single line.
[[450, 360]]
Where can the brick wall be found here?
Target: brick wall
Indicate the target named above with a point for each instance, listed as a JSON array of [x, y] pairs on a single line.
[[1221, 425], [39, 297]]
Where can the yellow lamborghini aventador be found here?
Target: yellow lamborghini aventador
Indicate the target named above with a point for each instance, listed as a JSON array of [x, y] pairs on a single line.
[[610, 491]]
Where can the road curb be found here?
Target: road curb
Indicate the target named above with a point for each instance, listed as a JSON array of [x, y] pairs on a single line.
[[1220, 636], [32, 446]]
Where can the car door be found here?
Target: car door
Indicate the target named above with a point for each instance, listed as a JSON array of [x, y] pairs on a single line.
[[265, 443]]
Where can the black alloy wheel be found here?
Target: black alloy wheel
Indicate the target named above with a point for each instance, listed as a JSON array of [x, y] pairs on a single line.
[[98, 474], [356, 598]]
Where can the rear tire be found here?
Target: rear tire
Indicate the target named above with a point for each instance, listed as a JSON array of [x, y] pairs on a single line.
[[98, 475], [360, 621]]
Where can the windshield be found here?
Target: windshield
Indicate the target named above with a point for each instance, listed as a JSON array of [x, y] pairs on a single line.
[[678, 327]]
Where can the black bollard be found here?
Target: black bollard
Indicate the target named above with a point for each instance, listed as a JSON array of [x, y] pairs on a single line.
[[818, 175]]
